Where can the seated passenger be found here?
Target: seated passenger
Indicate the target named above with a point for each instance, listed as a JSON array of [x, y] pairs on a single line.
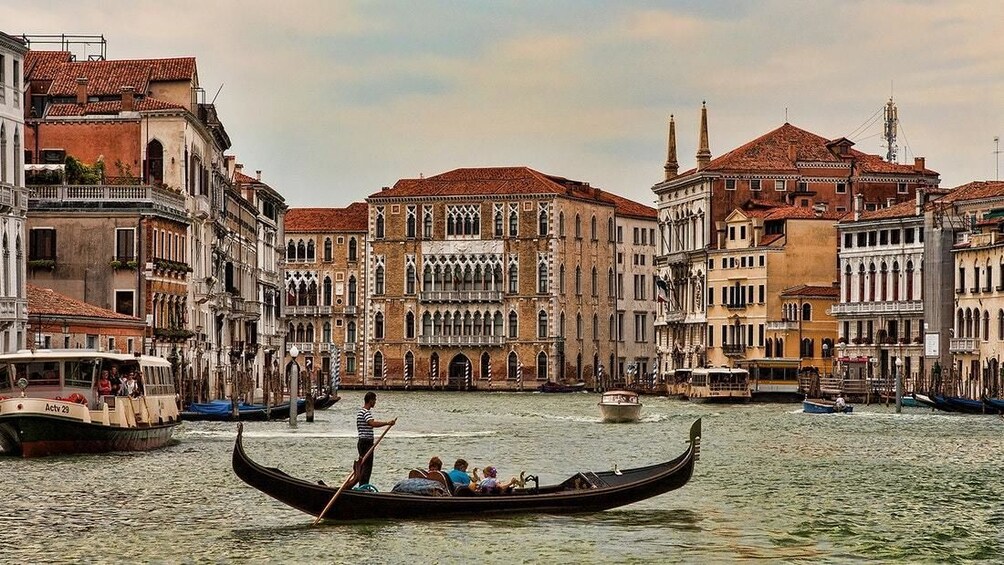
[[459, 475], [104, 384], [435, 464], [491, 485]]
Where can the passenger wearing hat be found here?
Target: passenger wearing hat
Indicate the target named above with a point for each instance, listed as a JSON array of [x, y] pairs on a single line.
[[491, 485]]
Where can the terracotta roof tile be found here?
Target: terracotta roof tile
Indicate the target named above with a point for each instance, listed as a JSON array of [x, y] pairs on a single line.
[[974, 191], [48, 302], [490, 181], [802, 213], [354, 218], [778, 151], [902, 210], [771, 238], [630, 208], [108, 107], [811, 291], [105, 78], [44, 65]]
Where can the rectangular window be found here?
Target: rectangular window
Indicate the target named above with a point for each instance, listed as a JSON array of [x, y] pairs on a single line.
[[884, 237], [862, 239], [894, 237], [635, 236], [732, 233], [125, 244], [908, 235], [848, 241], [620, 326], [730, 184], [755, 184], [742, 232], [651, 236], [761, 260], [711, 295], [871, 239], [42, 244], [620, 234], [779, 185], [803, 186], [125, 302], [711, 336], [901, 188], [841, 188], [761, 296], [711, 264]]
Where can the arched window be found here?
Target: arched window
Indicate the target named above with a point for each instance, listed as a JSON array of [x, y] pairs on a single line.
[[352, 291], [326, 335], [561, 279], [409, 366], [578, 367], [411, 224], [542, 278], [513, 278], [610, 230], [290, 250], [301, 251], [1000, 324], [895, 281], [513, 325], [513, 223], [352, 249], [310, 250], [884, 277], [578, 326], [312, 294], [379, 223], [542, 222], [847, 285], [327, 249], [409, 325], [871, 282], [327, 291], [578, 280], [409, 280], [596, 327], [909, 280], [862, 297], [498, 221], [154, 163], [769, 348], [310, 333], [427, 324], [378, 365], [592, 228], [986, 325], [610, 282], [542, 367], [561, 325], [486, 366], [542, 325], [378, 284], [497, 324], [578, 227], [593, 282], [378, 326], [807, 312], [561, 224], [301, 294], [512, 366]]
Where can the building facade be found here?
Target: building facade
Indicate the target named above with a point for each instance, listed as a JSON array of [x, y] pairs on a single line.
[[13, 196], [490, 278], [325, 300], [58, 321], [788, 166]]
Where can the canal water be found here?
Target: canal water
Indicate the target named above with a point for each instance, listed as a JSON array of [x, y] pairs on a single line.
[[772, 484]]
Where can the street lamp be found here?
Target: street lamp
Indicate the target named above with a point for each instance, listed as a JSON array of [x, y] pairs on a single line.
[[294, 373], [826, 350], [899, 385]]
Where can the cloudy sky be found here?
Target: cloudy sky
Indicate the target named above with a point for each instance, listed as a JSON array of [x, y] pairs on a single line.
[[333, 100]]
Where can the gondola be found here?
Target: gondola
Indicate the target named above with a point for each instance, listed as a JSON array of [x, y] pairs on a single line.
[[994, 404], [222, 410], [581, 493], [551, 386]]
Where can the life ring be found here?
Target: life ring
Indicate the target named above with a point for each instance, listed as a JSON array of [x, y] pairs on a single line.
[[77, 398]]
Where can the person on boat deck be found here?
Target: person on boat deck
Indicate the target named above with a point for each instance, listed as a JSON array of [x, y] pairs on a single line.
[[840, 404], [115, 379], [491, 485], [137, 380], [364, 426], [128, 386], [104, 384], [435, 464], [459, 475]]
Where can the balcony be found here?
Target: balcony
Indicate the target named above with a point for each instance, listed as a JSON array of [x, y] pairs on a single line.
[[462, 340], [201, 207], [110, 195], [674, 316], [303, 310], [736, 305], [869, 308], [350, 310], [964, 345], [8, 196], [304, 347], [734, 350], [13, 309], [781, 325], [324, 347], [460, 296], [349, 347], [252, 309]]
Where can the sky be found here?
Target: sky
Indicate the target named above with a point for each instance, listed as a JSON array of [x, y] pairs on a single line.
[[333, 100]]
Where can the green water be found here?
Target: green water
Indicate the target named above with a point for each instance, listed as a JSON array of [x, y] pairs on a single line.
[[772, 484]]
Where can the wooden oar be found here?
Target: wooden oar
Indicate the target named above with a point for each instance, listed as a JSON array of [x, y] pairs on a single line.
[[351, 478]]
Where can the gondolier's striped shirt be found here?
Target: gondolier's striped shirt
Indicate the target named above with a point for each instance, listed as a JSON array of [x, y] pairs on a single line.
[[363, 418]]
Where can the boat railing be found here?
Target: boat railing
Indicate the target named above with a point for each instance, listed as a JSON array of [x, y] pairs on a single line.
[[722, 387]]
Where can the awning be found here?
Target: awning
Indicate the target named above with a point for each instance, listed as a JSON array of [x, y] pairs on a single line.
[[769, 362]]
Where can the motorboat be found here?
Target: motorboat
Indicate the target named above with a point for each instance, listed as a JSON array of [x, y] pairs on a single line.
[[620, 406]]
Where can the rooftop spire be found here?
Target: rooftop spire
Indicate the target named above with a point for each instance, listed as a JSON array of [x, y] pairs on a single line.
[[703, 152], [672, 167]]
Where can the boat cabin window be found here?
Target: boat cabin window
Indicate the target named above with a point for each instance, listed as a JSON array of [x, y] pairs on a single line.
[[80, 373], [39, 373]]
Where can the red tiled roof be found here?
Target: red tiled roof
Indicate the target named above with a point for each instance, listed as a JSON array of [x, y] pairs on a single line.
[[48, 302], [902, 210], [490, 181], [771, 238], [107, 107], [630, 208], [244, 179], [973, 191], [801, 213], [772, 152], [44, 65], [812, 291], [354, 217], [106, 78]]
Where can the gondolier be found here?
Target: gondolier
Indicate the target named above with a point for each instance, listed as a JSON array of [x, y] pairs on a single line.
[[364, 426]]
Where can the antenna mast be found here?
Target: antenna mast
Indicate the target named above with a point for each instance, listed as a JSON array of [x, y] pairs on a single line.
[[997, 156], [889, 134]]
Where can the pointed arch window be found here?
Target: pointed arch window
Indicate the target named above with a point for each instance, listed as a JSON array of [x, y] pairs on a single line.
[[561, 279], [409, 325], [542, 220], [512, 366], [290, 251], [578, 326], [378, 326], [592, 228], [327, 291], [352, 249], [847, 285], [593, 282], [578, 280], [513, 325], [409, 278], [327, 249], [301, 251], [378, 365], [884, 278], [542, 278], [379, 228], [561, 224], [909, 280], [378, 280], [352, 291], [310, 250], [596, 327], [312, 294], [513, 223], [578, 227], [542, 366], [513, 278], [411, 224], [542, 324], [326, 335]]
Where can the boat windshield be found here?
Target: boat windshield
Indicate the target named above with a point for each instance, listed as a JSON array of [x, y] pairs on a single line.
[[77, 373]]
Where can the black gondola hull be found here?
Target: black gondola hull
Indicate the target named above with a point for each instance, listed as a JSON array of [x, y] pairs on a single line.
[[610, 489]]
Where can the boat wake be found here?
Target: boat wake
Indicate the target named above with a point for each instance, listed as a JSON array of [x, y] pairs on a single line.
[[351, 434]]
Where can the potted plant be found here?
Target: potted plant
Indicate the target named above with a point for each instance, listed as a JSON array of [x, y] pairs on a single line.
[[42, 264], [842, 341]]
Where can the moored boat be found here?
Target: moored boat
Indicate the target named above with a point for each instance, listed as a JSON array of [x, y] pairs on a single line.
[[50, 404], [222, 410], [821, 406], [620, 406], [551, 386], [924, 400], [582, 492], [995, 403], [720, 384]]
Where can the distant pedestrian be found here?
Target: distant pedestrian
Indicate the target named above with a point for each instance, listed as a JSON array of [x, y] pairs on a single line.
[[364, 426]]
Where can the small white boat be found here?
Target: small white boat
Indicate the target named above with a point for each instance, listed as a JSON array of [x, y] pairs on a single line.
[[620, 406]]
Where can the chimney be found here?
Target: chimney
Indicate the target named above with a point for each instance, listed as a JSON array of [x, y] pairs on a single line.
[[859, 204], [672, 167], [128, 98], [597, 193], [703, 152], [257, 176], [918, 164], [890, 202], [82, 91], [919, 206], [792, 151]]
